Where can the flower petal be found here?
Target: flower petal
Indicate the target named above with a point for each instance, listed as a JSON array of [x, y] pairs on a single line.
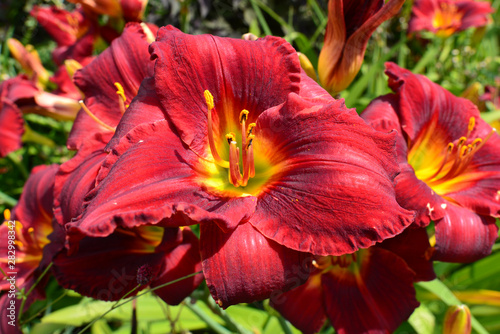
[[413, 246], [12, 127], [75, 179], [463, 236], [151, 176], [230, 69], [335, 180], [125, 62], [244, 266], [112, 262], [303, 306], [181, 261], [379, 295]]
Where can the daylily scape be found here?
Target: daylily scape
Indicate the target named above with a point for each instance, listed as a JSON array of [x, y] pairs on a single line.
[[230, 175]]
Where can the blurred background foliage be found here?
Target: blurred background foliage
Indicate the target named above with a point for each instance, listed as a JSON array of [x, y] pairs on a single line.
[[470, 59]]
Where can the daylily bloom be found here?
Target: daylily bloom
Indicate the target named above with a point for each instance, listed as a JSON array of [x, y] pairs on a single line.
[[374, 286], [231, 134], [29, 60], [446, 17], [110, 82], [450, 165], [350, 25], [30, 223], [29, 98]]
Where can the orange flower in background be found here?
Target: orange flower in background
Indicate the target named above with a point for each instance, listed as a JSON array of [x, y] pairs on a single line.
[[446, 17], [130, 10], [350, 25]]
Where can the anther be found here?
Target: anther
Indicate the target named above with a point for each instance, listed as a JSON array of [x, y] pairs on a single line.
[[250, 128], [243, 116], [209, 99], [230, 137], [121, 93]]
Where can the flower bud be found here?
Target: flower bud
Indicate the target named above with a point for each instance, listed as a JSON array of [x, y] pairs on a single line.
[[457, 320]]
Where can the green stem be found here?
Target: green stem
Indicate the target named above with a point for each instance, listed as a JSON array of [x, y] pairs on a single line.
[[115, 306], [34, 137], [233, 325], [260, 18], [43, 309], [490, 116], [25, 297], [284, 325], [14, 159], [214, 325]]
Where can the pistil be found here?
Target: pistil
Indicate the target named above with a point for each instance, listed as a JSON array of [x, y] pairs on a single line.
[[236, 178]]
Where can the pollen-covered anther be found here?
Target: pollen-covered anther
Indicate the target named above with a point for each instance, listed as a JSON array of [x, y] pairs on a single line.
[[121, 96], [94, 117]]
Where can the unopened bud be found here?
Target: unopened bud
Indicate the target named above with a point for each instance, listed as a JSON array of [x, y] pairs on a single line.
[[457, 320]]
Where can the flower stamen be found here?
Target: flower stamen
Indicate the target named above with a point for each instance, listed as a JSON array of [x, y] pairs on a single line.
[[122, 98], [211, 107], [97, 120]]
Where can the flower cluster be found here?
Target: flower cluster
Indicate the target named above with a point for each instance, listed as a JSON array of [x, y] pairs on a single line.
[[207, 158]]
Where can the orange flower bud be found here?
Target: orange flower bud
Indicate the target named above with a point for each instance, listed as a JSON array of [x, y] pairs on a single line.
[[457, 320]]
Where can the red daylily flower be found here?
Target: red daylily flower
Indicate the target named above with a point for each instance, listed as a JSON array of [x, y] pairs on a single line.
[[300, 157], [31, 220], [65, 27], [110, 82], [374, 284], [350, 25], [450, 166], [113, 261], [446, 17]]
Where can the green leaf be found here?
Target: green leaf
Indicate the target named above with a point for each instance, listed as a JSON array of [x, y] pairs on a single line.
[[422, 320]]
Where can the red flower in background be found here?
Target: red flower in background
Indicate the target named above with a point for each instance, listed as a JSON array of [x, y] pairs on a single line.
[[230, 134], [446, 17], [374, 286], [450, 165], [31, 221], [350, 25]]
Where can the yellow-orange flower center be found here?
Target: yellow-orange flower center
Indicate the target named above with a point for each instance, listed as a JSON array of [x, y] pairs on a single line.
[[237, 176], [441, 168], [447, 19]]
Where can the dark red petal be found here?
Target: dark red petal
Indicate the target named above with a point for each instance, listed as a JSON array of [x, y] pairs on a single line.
[[10, 313], [244, 266], [252, 75], [380, 297], [106, 268], [65, 85], [358, 12], [181, 261], [334, 191], [75, 179], [11, 127], [463, 236], [35, 204], [309, 89], [60, 24], [80, 51], [125, 62], [150, 176], [145, 108], [413, 246], [303, 306]]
